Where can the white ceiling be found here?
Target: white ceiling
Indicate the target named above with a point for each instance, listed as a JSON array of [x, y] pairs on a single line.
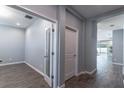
[[104, 28], [93, 10], [117, 21], [104, 35], [12, 17]]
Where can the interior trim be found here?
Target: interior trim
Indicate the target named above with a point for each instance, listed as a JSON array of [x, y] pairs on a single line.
[[114, 63], [12, 63], [70, 28], [87, 72]]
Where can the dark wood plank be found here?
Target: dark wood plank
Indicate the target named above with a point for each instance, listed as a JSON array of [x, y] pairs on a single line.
[[20, 76], [107, 76]]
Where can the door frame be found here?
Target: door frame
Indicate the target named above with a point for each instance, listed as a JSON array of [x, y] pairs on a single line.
[[55, 50], [77, 41]]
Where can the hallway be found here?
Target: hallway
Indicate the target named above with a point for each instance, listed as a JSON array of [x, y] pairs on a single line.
[[107, 76], [61, 42]]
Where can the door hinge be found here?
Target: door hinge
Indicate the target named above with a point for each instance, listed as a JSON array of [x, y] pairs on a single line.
[[52, 53], [53, 30], [52, 77]]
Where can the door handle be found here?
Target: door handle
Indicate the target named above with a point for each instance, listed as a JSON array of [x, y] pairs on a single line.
[[45, 56]]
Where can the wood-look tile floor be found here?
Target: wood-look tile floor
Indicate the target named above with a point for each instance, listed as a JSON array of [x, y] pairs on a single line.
[[20, 76], [107, 76]]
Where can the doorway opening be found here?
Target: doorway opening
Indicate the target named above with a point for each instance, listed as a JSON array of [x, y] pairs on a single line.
[[31, 40], [110, 41], [110, 50], [104, 45]]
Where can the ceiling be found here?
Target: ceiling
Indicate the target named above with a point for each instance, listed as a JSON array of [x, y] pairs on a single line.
[[106, 27], [15, 18], [94, 10], [104, 35], [12, 17], [113, 23]]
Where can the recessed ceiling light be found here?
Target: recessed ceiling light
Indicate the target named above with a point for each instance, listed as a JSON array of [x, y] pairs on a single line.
[[18, 24]]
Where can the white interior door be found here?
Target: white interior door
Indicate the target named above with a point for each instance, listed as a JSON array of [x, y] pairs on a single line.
[[50, 63], [49, 56], [70, 53]]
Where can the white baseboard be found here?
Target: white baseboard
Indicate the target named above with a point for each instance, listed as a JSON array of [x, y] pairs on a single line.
[[91, 72], [62, 86], [67, 76], [12, 63], [87, 72], [34, 68], [83, 72], [45, 77], [118, 64]]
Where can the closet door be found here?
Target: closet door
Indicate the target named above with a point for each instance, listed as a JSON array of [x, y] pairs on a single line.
[[70, 53]]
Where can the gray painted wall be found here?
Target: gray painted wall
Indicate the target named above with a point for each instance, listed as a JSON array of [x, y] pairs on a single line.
[[61, 43], [77, 24], [35, 44], [90, 45], [12, 44], [117, 54]]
